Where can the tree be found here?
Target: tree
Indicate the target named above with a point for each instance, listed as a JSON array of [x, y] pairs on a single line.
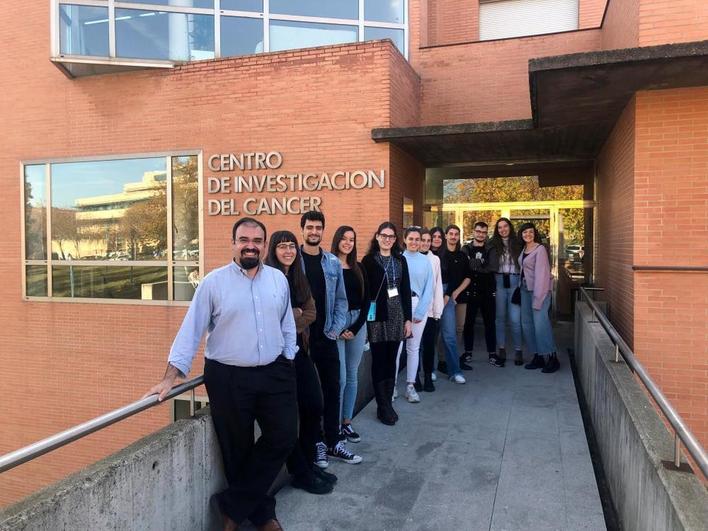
[[144, 225], [185, 205]]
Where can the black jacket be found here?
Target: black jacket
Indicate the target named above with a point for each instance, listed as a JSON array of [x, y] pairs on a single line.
[[366, 301], [455, 268], [482, 283], [375, 280]]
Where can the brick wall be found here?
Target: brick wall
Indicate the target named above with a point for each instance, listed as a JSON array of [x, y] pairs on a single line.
[[64, 363], [666, 21], [452, 21], [621, 26], [590, 13], [671, 229], [488, 81], [614, 234]]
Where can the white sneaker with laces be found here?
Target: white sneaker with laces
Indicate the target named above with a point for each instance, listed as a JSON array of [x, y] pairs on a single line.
[[411, 394], [433, 377], [458, 379], [321, 455]]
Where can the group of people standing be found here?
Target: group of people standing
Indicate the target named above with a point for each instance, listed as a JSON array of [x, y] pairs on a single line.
[[287, 328]]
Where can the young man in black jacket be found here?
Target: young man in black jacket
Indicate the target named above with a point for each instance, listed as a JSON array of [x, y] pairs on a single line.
[[481, 295]]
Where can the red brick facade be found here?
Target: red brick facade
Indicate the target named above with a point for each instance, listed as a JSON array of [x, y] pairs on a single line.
[[67, 362]]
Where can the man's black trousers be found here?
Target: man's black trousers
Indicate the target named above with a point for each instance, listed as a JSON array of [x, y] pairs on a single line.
[[309, 405], [325, 356], [486, 305], [238, 396]]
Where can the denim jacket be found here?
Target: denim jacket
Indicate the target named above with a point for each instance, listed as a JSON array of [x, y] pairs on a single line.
[[337, 305]]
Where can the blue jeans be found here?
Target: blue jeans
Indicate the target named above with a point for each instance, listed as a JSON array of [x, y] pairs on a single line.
[[536, 324], [505, 308], [350, 353], [448, 332]]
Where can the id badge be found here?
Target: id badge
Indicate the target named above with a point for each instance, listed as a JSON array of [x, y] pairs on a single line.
[[392, 292], [371, 316]]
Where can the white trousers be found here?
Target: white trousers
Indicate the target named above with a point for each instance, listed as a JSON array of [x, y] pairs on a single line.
[[412, 347]]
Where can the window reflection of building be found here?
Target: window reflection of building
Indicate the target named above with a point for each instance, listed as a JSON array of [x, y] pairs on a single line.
[[108, 227]]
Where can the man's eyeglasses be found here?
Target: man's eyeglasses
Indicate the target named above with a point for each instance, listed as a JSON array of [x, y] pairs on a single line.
[[254, 241]]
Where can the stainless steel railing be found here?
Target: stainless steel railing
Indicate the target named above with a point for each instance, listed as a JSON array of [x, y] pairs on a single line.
[[58, 440], [682, 434]]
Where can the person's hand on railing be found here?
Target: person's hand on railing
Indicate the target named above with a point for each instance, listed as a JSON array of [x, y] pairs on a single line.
[[162, 388]]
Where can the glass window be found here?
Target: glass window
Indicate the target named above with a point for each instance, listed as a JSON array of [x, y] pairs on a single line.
[[206, 4], [35, 213], [396, 35], [286, 35], [109, 224], [110, 282], [109, 210], [316, 8], [242, 5], [241, 36], [36, 280], [166, 36], [83, 30], [185, 281], [185, 208], [384, 11]]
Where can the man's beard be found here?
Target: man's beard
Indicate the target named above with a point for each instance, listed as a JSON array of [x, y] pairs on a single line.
[[314, 239], [249, 262]]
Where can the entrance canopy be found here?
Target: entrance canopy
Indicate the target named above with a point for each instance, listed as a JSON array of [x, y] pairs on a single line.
[[575, 101]]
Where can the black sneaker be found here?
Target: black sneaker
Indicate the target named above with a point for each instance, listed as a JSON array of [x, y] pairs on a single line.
[[536, 363], [552, 365], [463, 365], [327, 476], [467, 357], [313, 484], [339, 451], [502, 354], [518, 358], [428, 385], [321, 455], [495, 361], [442, 367], [348, 431]]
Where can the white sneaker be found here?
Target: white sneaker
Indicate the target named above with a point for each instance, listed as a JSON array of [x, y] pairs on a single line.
[[433, 377], [458, 379], [411, 394]]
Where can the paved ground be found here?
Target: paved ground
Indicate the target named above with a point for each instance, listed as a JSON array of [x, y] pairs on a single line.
[[506, 451]]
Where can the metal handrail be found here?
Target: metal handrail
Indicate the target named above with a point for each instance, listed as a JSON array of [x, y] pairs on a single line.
[[682, 434], [63, 438]]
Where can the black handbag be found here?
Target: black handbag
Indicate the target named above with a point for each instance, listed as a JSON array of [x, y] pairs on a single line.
[[516, 296]]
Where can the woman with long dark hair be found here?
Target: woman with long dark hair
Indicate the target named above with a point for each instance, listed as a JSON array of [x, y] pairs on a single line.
[[352, 339], [389, 316], [536, 286], [284, 254], [437, 240], [430, 333], [504, 251], [420, 272]]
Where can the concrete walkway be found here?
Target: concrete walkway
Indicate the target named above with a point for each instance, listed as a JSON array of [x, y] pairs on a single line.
[[506, 451]]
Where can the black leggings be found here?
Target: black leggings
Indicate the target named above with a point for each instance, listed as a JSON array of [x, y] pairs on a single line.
[[430, 336], [309, 405], [383, 360]]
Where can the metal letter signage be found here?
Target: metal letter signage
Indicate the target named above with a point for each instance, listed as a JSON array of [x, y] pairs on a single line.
[[275, 186]]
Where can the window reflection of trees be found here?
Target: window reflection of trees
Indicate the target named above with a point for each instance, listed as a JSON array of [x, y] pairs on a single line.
[[121, 223]]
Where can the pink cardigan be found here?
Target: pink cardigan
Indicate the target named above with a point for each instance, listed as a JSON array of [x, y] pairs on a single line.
[[537, 274]]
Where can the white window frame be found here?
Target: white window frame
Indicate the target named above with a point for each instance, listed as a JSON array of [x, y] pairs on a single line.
[[170, 263], [217, 13]]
